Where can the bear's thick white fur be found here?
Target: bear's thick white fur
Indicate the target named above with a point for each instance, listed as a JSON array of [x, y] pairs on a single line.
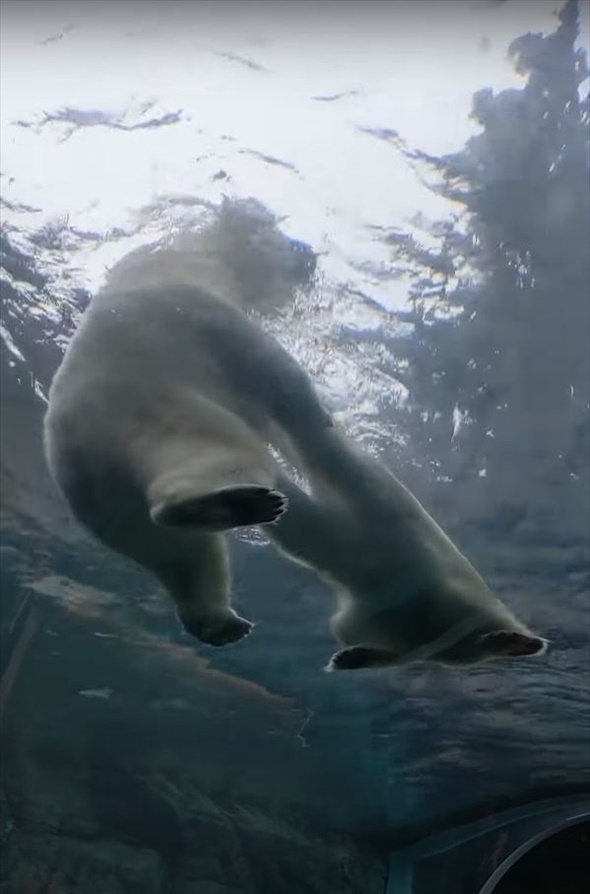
[[161, 411], [157, 430], [405, 592]]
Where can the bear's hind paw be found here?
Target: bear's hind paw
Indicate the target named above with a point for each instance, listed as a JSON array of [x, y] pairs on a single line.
[[513, 644]]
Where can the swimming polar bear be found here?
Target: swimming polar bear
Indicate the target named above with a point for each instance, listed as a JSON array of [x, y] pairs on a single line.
[[160, 413], [157, 431], [405, 592]]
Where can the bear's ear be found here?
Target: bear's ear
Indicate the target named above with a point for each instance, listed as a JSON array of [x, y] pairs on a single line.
[[511, 644]]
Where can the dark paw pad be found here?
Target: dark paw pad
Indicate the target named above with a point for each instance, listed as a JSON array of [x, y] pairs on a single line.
[[254, 505], [511, 644], [229, 507], [218, 633], [354, 658]]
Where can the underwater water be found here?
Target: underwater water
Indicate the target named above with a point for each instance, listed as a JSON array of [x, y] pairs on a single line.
[[429, 162]]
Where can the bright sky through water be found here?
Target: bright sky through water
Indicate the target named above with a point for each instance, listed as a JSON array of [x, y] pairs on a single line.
[[408, 66]]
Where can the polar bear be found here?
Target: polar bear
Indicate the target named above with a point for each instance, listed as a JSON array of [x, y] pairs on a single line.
[[405, 592], [157, 430], [160, 414]]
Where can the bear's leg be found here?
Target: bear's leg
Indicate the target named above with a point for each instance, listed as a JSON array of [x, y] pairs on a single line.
[[216, 477], [308, 532], [358, 657], [198, 580]]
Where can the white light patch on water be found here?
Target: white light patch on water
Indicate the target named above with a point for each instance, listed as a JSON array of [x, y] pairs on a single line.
[[246, 81]]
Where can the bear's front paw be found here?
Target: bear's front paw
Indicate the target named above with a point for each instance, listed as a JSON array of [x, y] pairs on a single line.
[[229, 507], [218, 631], [255, 505]]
